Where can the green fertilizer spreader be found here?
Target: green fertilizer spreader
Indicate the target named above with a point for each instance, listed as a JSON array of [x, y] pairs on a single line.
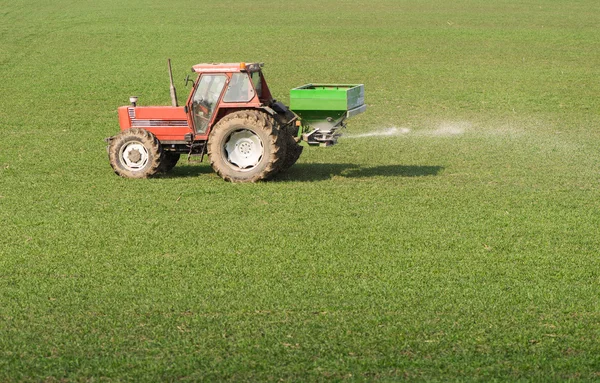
[[323, 109]]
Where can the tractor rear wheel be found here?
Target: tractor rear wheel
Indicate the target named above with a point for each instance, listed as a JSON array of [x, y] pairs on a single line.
[[135, 153], [246, 146], [293, 152], [168, 161]]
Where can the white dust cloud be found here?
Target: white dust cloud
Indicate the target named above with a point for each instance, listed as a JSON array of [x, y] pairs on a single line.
[[383, 132], [448, 128], [443, 129]]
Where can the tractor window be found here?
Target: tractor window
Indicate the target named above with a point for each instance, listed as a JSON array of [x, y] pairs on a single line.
[[240, 89], [205, 99], [256, 80]]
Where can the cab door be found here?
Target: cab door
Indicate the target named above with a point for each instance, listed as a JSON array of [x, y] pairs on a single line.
[[203, 102]]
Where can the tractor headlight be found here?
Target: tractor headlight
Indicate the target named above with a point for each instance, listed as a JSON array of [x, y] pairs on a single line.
[[133, 100]]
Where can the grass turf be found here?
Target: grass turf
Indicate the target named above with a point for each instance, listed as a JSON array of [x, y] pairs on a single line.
[[464, 247]]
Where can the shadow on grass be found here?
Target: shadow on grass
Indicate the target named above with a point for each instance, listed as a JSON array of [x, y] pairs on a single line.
[[321, 171], [191, 169], [318, 172]]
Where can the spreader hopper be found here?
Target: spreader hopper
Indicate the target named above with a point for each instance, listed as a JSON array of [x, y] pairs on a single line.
[[323, 109]]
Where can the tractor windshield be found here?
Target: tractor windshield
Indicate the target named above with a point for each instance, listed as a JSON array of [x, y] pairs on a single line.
[[205, 99]]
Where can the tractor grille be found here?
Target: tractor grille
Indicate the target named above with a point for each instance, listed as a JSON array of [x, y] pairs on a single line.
[[151, 123], [131, 113]]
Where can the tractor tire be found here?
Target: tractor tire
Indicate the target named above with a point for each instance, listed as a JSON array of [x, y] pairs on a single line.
[[246, 146], [168, 161], [135, 153], [293, 152]]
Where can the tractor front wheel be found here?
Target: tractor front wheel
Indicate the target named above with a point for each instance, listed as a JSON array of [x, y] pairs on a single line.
[[135, 153], [246, 146]]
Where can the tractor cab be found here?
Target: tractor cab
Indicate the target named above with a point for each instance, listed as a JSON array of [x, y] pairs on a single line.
[[223, 88]]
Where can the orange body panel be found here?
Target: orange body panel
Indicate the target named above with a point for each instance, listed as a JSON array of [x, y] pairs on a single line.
[[160, 112], [168, 123], [124, 121]]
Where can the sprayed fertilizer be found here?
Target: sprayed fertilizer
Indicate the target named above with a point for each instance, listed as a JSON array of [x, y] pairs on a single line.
[[386, 132], [448, 129], [444, 129]]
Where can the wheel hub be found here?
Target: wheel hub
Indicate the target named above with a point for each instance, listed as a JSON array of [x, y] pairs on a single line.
[[134, 156], [244, 149]]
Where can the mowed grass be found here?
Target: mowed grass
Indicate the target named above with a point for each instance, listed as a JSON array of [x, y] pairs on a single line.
[[460, 242]]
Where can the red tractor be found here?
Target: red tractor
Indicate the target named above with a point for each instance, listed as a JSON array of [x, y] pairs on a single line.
[[229, 115]]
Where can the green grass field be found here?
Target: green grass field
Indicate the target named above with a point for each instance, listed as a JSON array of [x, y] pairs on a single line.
[[460, 244]]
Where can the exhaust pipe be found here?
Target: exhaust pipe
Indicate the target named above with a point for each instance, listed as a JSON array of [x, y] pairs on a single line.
[[172, 88]]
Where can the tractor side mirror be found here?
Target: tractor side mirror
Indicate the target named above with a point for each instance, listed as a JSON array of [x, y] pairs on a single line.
[[188, 79]]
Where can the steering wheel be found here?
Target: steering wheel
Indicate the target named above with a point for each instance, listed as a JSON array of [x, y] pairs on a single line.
[[203, 108]]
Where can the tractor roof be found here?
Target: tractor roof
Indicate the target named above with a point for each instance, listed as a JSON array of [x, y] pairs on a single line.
[[227, 67]]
